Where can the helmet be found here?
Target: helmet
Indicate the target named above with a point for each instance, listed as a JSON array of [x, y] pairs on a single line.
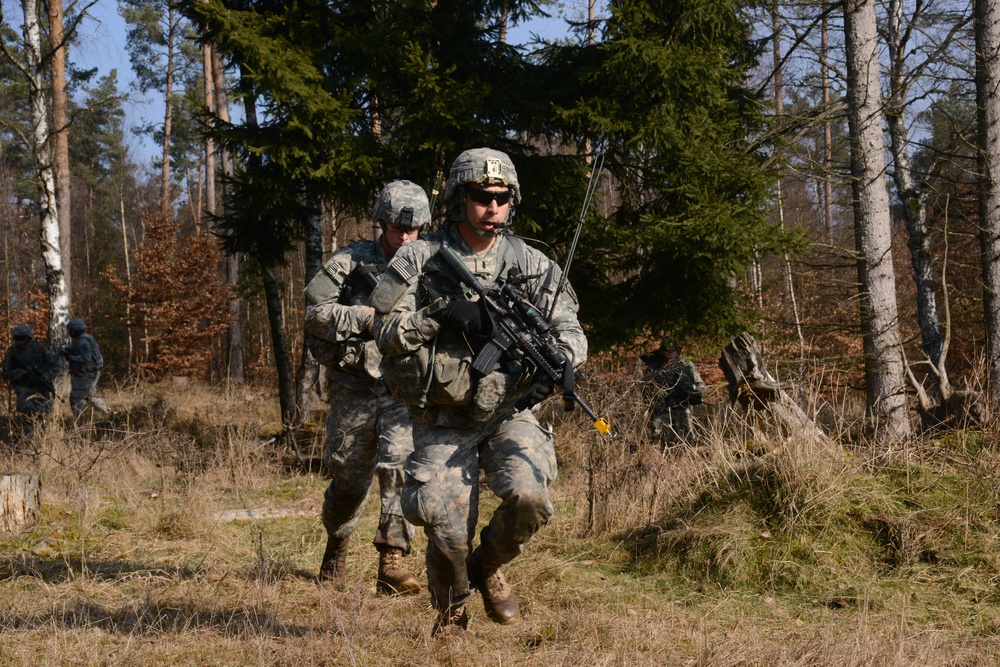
[[483, 166], [76, 324], [670, 344], [20, 331], [402, 203]]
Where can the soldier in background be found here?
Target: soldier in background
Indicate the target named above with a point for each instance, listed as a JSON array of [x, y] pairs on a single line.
[[85, 364], [30, 367], [368, 431], [672, 384]]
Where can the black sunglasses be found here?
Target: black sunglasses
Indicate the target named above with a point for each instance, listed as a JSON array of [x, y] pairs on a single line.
[[484, 197], [22, 337]]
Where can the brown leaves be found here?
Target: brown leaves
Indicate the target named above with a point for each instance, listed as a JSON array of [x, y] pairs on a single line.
[[178, 301]]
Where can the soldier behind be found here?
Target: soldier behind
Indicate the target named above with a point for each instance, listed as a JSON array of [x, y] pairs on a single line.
[[672, 385], [426, 327], [85, 364], [30, 368], [368, 431]]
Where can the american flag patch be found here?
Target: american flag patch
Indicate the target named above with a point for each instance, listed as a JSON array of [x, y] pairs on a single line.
[[403, 269]]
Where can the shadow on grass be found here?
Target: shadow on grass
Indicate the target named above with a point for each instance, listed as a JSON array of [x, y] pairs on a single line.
[[147, 619], [58, 570]]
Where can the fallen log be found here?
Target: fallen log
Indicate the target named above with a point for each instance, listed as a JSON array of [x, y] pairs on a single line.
[[755, 389], [262, 513]]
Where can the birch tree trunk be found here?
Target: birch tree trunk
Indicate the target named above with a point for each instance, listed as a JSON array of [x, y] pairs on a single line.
[[914, 207], [884, 371], [60, 138], [987, 28], [55, 277]]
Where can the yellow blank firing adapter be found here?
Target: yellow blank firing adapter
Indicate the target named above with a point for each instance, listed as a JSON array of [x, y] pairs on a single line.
[[603, 426]]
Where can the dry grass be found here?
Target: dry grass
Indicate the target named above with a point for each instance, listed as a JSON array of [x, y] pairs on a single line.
[[750, 549]]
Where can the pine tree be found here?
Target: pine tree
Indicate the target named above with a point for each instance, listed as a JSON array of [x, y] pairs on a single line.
[[665, 95]]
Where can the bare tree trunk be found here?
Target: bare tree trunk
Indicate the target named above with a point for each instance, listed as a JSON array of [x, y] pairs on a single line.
[[206, 51], [827, 132], [914, 207], [235, 367], [60, 138], [128, 276], [20, 502], [272, 298], [168, 114], [987, 28], [779, 108], [46, 179], [308, 372], [279, 344], [884, 368]]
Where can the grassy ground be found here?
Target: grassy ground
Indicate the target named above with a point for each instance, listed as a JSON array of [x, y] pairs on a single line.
[[751, 549]]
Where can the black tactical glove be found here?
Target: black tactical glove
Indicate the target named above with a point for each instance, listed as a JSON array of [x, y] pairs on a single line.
[[534, 396], [468, 317]]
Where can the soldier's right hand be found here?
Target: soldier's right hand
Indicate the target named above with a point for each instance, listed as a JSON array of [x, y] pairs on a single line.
[[534, 396]]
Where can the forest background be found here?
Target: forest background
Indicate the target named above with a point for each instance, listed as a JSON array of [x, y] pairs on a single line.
[[821, 175], [732, 195]]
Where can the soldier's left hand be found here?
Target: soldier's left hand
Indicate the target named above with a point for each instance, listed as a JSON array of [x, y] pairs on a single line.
[[467, 317]]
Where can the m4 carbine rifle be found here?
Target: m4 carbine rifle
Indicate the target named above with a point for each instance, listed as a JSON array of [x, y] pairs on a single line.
[[520, 332]]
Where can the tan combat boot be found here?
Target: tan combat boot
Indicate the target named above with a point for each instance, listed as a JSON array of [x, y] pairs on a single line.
[[499, 598], [392, 578], [453, 621], [333, 569]]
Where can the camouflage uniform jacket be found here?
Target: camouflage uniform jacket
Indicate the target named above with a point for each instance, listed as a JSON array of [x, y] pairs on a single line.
[[670, 384], [35, 367], [427, 364], [84, 356], [338, 306]]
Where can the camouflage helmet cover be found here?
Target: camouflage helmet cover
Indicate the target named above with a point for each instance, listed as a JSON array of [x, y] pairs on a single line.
[[484, 166], [76, 324], [21, 330], [402, 203]]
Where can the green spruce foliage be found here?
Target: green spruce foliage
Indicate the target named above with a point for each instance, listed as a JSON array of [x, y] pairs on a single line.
[[349, 95], [665, 93]]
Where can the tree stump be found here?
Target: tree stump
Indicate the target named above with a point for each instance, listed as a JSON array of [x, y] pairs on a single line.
[[20, 501], [754, 388]]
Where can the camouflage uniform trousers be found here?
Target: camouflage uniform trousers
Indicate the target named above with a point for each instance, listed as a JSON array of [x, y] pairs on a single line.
[[32, 401], [442, 494], [368, 433], [83, 390], [673, 425]]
